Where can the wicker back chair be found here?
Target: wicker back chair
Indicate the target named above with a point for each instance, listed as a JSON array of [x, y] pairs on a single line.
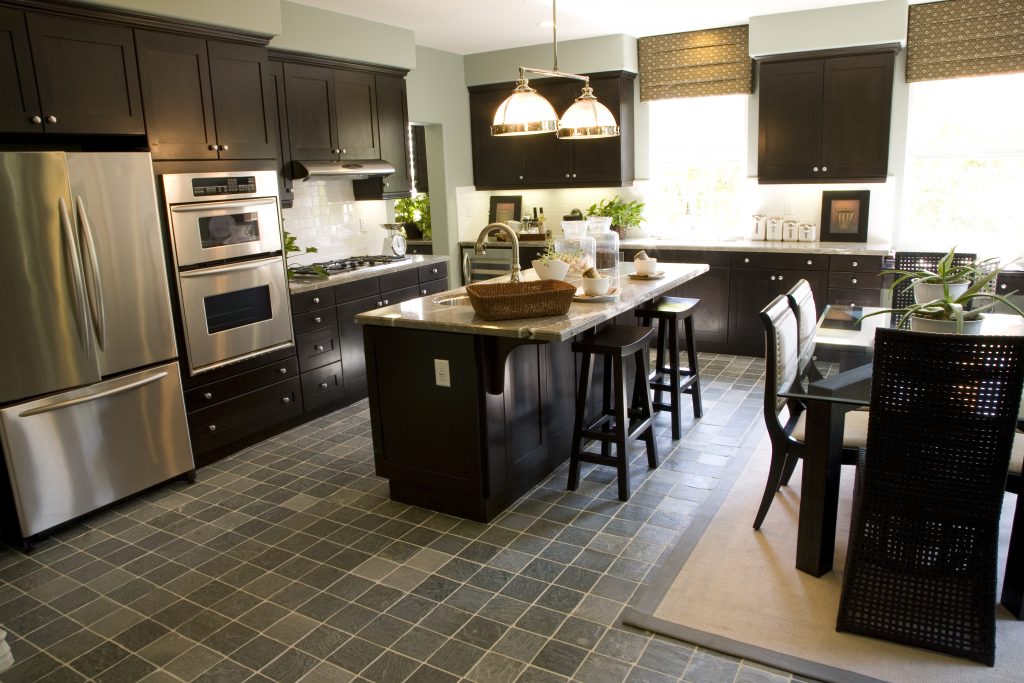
[[782, 369], [921, 260], [921, 562]]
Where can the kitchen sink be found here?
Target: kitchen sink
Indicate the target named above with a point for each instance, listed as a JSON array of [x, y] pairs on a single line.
[[457, 300]]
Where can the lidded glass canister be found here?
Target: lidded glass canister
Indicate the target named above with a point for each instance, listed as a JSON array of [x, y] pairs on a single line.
[[575, 247], [606, 244]]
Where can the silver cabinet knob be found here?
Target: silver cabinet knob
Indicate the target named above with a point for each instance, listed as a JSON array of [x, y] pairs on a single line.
[[336, 150], [224, 148], [810, 262], [387, 184], [746, 260], [853, 280], [567, 175], [212, 148], [379, 304], [207, 395], [780, 278], [316, 299], [318, 347], [212, 428], [824, 168], [37, 119], [573, 175], [283, 371], [423, 292], [286, 399], [386, 302], [520, 177], [51, 119], [815, 169], [316, 319], [773, 277], [1003, 286], [854, 264], [433, 271], [344, 151], [323, 385]]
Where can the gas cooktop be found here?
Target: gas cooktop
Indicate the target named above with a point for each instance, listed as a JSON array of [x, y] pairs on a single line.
[[345, 265]]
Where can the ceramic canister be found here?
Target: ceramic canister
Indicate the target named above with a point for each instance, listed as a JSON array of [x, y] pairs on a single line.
[[774, 231], [808, 232], [790, 231], [759, 227]]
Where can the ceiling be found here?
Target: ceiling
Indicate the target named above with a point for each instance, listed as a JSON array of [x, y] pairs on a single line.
[[471, 26]]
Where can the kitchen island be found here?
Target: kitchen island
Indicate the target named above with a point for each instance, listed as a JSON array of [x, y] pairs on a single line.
[[505, 419]]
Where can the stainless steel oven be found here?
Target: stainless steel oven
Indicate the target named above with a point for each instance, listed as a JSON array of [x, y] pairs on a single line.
[[232, 286]]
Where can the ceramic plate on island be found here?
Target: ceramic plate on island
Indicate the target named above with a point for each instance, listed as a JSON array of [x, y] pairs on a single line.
[[657, 275], [612, 294]]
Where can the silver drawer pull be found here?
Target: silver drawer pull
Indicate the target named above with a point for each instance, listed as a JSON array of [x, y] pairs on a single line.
[[51, 119], [212, 428], [815, 169], [1002, 286], [854, 280], [318, 347], [854, 264], [386, 302], [773, 277], [433, 271], [207, 395], [283, 371], [316, 299], [810, 262], [323, 385], [379, 304], [37, 119], [286, 399], [317, 319], [780, 278], [746, 260], [423, 292], [824, 168]]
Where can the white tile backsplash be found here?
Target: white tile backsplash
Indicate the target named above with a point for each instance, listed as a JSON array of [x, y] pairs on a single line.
[[325, 215]]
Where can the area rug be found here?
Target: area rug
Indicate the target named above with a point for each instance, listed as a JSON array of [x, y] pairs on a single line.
[[735, 590]]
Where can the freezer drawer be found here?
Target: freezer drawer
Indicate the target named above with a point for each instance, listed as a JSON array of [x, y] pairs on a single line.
[[71, 453]]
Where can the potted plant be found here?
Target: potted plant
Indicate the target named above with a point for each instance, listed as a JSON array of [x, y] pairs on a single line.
[[624, 214], [951, 310], [290, 247], [414, 212], [552, 265]]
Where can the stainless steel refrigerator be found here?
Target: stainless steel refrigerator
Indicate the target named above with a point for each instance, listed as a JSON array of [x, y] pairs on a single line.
[[91, 406]]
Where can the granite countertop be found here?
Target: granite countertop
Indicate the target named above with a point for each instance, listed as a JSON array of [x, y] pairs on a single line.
[[838, 248], [307, 284], [424, 313]]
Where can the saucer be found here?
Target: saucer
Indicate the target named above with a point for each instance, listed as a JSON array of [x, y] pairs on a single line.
[[656, 275], [611, 295]]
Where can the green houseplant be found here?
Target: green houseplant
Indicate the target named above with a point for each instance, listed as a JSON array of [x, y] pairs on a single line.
[[291, 247], [414, 212], [624, 214], [957, 297], [554, 265]]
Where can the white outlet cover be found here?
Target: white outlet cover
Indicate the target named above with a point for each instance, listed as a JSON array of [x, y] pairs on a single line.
[[442, 375]]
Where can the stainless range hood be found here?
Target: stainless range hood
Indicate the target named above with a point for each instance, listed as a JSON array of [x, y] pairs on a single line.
[[349, 169]]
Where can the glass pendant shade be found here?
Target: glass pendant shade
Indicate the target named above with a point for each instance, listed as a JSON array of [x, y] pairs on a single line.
[[524, 112], [587, 119]]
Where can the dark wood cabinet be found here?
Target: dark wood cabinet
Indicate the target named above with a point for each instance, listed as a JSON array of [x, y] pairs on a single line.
[[243, 107], [825, 116], [355, 104], [275, 70], [19, 100], [353, 359], [854, 281], [419, 158], [86, 74], [543, 160], [309, 94], [711, 319], [393, 124]]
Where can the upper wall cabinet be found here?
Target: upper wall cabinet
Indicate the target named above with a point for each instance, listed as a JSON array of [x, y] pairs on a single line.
[[824, 117], [393, 126], [539, 161], [205, 99], [67, 76]]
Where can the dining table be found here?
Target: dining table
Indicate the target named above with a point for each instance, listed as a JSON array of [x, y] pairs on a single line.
[[844, 334]]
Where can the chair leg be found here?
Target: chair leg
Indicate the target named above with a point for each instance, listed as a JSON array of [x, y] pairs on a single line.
[[621, 428], [673, 376], [642, 402], [691, 358], [787, 473], [1012, 597], [577, 427], [606, 404], [659, 361], [771, 487]]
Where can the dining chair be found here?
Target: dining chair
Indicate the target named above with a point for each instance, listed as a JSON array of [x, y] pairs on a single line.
[[1012, 595], [801, 300], [782, 370], [921, 559], [921, 260]]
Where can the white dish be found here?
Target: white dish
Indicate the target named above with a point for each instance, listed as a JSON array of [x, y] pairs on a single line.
[[612, 294], [657, 275]]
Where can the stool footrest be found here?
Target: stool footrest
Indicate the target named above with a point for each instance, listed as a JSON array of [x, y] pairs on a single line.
[[597, 459]]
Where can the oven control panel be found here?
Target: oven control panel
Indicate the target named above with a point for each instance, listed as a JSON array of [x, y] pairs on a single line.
[[223, 185]]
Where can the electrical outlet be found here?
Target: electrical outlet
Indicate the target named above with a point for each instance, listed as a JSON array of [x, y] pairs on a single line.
[[442, 378], [788, 209], [362, 225], [469, 210]]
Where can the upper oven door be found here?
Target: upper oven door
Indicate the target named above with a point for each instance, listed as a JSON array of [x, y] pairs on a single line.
[[212, 231]]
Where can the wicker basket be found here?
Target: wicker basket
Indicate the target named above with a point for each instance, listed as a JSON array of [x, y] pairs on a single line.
[[511, 300]]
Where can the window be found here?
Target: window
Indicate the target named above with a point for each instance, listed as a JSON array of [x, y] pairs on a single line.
[[965, 166], [698, 165]]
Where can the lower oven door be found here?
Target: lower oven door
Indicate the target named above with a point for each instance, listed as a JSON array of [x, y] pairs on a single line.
[[234, 311]]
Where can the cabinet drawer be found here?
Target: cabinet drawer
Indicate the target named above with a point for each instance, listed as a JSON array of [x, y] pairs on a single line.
[[356, 290], [215, 392], [314, 320], [317, 298], [854, 281], [712, 258], [855, 297], [245, 414], [781, 261], [434, 287], [856, 264], [321, 386], [399, 280], [436, 271], [318, 348], [1007, 282]]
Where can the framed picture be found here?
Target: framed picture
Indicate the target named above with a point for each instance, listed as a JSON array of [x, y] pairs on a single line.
[[844, 216], [505, 209]]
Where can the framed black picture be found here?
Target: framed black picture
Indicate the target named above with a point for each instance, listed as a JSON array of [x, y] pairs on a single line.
[[844, 216], [505, 209]]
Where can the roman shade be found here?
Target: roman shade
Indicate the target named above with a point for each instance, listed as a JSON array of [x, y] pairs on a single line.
[[696, 64], [959, 38]]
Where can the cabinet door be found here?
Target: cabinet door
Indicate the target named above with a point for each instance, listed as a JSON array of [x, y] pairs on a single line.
[[242, 101], [19, 101], [604, 160], [353, 356], [87, 76], [279, 118], [750, 290], [548, 159], [355, 105], [789, 120], [498, 162], [176, 93], [817, 279], [856, 109], [393, 119], [309, 94], [711, 320]]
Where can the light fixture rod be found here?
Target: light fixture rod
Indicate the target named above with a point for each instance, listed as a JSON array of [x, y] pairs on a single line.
[[550, 72], [554, 32]]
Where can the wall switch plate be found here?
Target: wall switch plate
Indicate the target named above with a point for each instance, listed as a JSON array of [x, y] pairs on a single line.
[[442, 377]]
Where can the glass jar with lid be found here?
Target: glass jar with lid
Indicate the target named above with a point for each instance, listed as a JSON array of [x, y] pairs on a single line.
[[575, 247], [606, 244]]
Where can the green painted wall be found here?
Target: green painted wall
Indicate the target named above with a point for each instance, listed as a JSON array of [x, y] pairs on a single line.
[[605, 53]]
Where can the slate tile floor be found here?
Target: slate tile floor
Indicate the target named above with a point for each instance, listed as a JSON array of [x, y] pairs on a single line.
[[287, 562]]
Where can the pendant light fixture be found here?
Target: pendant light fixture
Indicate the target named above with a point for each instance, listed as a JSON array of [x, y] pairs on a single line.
[[526, 111]]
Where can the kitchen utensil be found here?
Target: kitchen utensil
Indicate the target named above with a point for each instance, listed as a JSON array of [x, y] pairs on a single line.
[[394, 243]]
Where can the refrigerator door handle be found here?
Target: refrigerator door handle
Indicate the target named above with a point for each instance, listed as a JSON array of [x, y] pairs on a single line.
[[94, 287], [94, 397], [73, 262]]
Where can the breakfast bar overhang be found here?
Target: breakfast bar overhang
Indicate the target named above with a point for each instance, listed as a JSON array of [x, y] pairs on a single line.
[[472, 448]]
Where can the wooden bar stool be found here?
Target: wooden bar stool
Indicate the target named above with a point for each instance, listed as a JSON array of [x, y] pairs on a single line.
[[668, 310], [618, 423]]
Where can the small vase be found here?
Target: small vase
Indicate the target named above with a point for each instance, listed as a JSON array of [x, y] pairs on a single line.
[[550, 270], [918, 324], [577, 247]]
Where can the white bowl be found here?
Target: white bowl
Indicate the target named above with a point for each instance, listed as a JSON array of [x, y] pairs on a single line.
[[596, 286], [552, 270], [646, 267]]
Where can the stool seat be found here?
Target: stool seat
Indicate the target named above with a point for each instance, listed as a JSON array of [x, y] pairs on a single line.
[[615, 340], [668, 307]]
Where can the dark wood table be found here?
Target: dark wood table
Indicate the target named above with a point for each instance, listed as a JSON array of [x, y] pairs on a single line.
[[845, 329]]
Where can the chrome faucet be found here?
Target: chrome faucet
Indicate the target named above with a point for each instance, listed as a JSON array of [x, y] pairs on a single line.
[[479, 248]]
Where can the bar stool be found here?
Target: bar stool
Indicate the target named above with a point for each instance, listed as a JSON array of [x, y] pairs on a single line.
[[667, 310], [618, 423]]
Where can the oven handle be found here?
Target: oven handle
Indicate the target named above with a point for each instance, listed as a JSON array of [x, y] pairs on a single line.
[[206, 206], [217, 270]]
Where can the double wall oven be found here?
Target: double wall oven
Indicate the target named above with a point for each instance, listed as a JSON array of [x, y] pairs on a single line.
[[232, 286]]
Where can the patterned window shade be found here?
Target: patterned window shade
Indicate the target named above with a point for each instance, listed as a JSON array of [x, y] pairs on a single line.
[[960, 38], [695, 64]]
